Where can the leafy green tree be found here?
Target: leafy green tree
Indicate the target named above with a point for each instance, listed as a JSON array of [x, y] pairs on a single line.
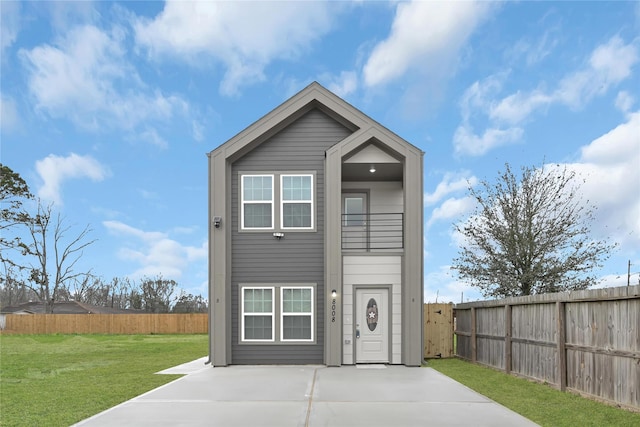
[[14, 192], [529, 235]]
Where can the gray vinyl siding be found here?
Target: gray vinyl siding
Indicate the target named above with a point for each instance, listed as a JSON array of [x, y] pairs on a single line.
[[257, 257]]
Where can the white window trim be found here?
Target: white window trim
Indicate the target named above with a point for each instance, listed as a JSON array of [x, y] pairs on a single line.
[[277, 331], [243, 202], [283, 314], [272, 314], [310, 201]]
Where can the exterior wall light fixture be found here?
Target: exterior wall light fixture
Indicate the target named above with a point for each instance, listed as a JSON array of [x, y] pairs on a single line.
[[372, 169], [278, 235], [334, 293]]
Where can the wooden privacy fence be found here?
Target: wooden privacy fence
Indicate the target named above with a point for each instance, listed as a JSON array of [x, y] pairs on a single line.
[[585, 341], [189, 323], [438, 331]]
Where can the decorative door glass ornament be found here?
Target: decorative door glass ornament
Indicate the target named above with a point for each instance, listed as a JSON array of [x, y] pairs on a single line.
[[372, 314]]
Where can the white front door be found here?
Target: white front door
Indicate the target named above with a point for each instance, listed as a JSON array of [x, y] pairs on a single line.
[[372, 325]]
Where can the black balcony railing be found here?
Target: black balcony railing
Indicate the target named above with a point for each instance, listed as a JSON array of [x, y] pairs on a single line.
[[374, 231]]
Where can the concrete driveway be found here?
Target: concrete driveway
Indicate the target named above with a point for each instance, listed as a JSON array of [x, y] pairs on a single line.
[[300, 396]]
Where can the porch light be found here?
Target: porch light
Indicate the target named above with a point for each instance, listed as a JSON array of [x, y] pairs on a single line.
[[372, 169], [334, 293]]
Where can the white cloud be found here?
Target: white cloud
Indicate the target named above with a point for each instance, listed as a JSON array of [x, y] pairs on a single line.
[[465, 141], [451, 183], [10, 18], [616, 280], [535, 51], [442, 286], [244, 37], [9, 118], [478, 99], [610, 168], [609, 64], [155, 252], [478, 96], [54, 170], [624, 101], [148, 195], [197, 130], [64, 15], [86, 78], [344, 84], [424, 35], [452, 208], [618, 146], [151, 136], [516, 107]]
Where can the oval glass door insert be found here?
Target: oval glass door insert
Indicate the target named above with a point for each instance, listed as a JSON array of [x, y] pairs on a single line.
[[372, 314]]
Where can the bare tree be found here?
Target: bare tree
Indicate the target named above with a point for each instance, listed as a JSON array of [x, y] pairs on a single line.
[[189, 303], [12, 288], [120, 289], [157, 294], [53, 272], [529, 235], [94, 290]]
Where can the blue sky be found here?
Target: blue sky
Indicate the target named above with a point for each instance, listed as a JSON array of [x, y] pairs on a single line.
[[108, 109]]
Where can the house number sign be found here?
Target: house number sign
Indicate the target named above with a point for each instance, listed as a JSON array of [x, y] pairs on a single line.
[[333, 310]]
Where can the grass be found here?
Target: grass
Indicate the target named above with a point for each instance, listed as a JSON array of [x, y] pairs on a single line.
[[58, 380], [538, 402]]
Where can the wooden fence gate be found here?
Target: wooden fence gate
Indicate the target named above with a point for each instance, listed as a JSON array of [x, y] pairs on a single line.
[[438, 331]]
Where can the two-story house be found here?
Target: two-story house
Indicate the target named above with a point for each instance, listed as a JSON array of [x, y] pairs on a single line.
[[316, 239]]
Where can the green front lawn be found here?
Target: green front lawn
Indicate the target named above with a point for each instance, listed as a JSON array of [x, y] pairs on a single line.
[[58, 380], [538, 402]]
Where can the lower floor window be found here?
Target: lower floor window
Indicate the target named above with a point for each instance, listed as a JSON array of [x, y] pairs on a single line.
[[257, 314], [297, 314], [287, 318]]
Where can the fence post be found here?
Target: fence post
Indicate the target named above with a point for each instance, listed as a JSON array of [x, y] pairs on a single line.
[[474, 349], [562, 351], [507, 339]]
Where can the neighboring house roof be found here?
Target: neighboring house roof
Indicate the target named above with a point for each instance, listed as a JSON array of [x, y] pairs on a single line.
[[65, 307]]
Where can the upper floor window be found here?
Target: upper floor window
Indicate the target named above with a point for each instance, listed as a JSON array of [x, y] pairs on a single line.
[[296, 201], [277, 201], [257, 201]]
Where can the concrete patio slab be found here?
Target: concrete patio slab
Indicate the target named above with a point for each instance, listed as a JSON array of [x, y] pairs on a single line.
[[302, 396], [187, 368]]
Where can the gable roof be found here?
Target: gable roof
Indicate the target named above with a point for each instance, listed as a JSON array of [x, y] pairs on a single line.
[[313, 96]]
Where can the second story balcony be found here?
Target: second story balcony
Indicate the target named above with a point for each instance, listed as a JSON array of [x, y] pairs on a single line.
[[373, 232]]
